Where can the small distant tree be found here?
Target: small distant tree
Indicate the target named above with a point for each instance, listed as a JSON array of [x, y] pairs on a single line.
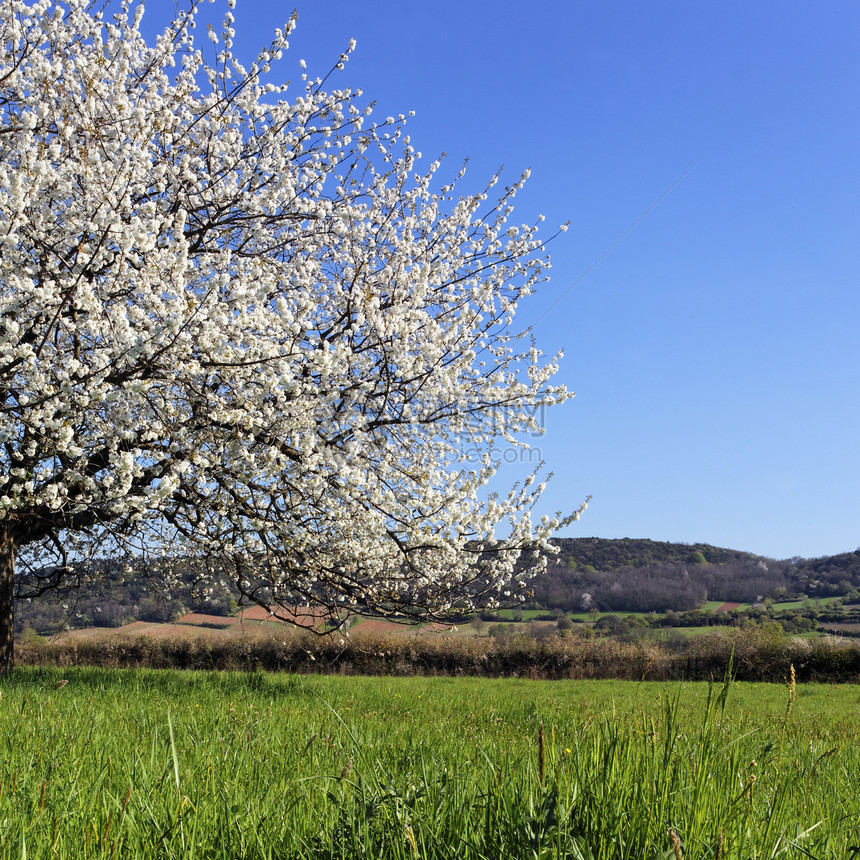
[[237, 324], [30, 637]]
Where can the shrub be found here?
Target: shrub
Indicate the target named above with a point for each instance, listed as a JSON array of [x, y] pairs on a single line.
[[760, 654]]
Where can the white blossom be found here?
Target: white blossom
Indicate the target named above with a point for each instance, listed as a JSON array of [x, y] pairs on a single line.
[[235, 323]]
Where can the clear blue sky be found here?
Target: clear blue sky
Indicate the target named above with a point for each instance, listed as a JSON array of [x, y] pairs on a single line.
[[715, 350]]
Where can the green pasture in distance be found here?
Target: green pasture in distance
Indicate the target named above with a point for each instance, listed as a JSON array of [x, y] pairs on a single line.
[[509, 614], [802, 604], [712, 605], [588, 617], [164, 764]]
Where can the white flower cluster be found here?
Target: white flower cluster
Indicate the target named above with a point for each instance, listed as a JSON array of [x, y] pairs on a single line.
[[237, 319]]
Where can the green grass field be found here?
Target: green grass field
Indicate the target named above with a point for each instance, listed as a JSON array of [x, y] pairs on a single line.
[[510, 614], [712, 605], [151, 764], [799, 604]]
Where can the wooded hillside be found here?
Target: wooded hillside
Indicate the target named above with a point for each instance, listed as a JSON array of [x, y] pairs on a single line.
[[643, 575]]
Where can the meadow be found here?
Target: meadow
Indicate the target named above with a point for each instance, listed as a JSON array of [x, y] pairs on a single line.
[[139, 763]]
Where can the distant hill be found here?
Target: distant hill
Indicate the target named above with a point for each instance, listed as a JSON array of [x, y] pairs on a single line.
[[642, 575], [623, 574]]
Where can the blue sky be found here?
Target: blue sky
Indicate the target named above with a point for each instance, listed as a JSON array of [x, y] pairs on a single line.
[[714, 351]]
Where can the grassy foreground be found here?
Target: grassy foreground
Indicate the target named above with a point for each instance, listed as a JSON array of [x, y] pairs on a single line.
[[147, 764]]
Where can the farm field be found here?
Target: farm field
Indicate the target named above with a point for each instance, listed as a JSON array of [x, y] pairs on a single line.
[[712, 605], [819, 602], [133, 764]]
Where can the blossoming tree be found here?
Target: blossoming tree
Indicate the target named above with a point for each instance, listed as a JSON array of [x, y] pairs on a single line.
[[236, 325]]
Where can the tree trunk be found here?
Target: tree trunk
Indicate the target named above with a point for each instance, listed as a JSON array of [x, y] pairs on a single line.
[[7, 601]]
